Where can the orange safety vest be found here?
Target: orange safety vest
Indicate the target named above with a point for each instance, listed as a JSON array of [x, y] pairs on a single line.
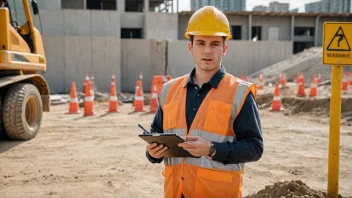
[[202, 177]]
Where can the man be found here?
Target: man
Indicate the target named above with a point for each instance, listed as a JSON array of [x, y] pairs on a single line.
[[216, 113]]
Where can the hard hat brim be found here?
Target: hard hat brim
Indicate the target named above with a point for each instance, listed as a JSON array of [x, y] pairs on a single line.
[[207, 33]]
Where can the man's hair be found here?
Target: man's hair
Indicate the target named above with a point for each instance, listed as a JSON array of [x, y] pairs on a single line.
[[191, 38]]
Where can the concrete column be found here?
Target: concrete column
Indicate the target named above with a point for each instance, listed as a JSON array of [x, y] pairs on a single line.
[[121, 5], [292, 28], [172, 6], [316, 30], [177, 5], [146, 5], [84, 4], [250, 27]]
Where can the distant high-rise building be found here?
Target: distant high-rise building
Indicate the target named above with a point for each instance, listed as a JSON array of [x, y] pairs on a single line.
[[294, 10], [314, 7], [278, 7], [338, 6], [224, 5], [260, 8], [325, 7]]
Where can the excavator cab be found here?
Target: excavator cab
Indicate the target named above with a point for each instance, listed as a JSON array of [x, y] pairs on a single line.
[[17, 33], [19, 20], [22, 63]]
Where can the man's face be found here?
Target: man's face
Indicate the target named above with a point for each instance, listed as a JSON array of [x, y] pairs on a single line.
[[207, 51]]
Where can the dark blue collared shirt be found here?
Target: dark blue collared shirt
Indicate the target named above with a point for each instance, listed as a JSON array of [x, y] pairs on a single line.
[[249, 144]]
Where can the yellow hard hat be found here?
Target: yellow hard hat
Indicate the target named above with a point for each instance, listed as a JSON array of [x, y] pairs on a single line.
[[208, 21]]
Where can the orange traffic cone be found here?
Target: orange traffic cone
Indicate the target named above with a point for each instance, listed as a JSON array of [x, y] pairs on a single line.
[[298, 77], [154, 100], [276, 103], [350, 78], [283, 79], [345, 82], [113, 104], [319, 80], [313, 87], [301, 77], [140, 76], [139, 98], [246, 78], [168, 77], [88, 101], [92, 81], [301, 92], [113, 78], [158, 81], [73, 107], [85, 82], [261, 82]]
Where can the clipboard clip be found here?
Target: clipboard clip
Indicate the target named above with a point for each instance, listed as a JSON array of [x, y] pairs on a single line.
[[144, 130]]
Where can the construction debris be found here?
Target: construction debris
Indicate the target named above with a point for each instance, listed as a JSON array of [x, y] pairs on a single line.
[[59, 99]]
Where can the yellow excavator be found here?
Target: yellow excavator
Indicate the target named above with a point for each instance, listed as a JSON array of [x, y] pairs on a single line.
[[24, 93]]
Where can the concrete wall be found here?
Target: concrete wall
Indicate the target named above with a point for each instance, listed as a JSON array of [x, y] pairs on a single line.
[[79, 22], [132, 20], [49, 4], [150, 61], [243, 22], [246, 57], [304, 21], [179, 60], [322, 20], [282, 23], [52, 22], [242, 58], [182, 26], [70, 57], [54, 47], [161, 26]]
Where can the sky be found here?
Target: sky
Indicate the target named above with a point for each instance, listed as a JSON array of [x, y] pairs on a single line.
[[185, 4]]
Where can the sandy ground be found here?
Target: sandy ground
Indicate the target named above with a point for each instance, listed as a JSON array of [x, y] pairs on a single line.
[[102, 156]]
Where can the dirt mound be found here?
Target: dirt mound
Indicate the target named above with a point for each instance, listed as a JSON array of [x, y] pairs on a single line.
[[293, 189], [264, 98], [297, 105]]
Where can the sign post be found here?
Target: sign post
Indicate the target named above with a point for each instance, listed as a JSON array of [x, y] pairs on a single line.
[[336, 52]]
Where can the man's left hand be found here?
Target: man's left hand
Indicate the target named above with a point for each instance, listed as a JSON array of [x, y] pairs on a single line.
[[196, 146]]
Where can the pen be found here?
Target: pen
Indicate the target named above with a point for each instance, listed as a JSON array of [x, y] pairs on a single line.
[[145, 131]]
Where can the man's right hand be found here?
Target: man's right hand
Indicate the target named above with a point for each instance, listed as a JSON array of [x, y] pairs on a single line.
[[156, 151]]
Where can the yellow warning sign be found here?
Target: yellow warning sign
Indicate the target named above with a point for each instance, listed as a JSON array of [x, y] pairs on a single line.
[[337, 43]]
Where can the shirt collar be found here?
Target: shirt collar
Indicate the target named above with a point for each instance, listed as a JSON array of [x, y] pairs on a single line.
[[214, 81]]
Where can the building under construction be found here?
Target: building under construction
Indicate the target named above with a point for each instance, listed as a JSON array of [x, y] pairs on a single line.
[[132, 36]]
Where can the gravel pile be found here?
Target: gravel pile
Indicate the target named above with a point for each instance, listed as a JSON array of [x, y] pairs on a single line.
[[309, 62]]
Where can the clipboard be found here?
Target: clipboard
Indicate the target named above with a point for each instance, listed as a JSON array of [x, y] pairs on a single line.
[[171, 140]]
